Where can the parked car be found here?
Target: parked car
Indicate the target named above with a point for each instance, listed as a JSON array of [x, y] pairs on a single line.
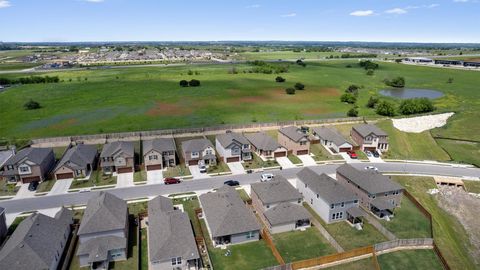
[[266, 177], [203, 168], [250, 171], [368, 153], [83, 190], [171, 180], [352, 154], [33, 186], [231, 183], [376, 154], [371, 168]]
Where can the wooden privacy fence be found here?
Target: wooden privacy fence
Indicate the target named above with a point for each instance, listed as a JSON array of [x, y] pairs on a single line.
[[266, 237], [415, 242], [369, 250]]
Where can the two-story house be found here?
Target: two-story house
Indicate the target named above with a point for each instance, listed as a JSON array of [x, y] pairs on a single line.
[[28, 165], [279, 205], [103, 232], [265, 146], [329, 198], [118, 157], [330, 138], [376, 192], [369, 137], [233, 147], [77, 162], [199, 152], [159, 154], [171, 243], [228, 219], [38, 242], [294, 140]]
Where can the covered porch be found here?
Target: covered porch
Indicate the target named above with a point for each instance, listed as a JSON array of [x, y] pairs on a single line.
[[302, 223], [355, 217], [382, 209]]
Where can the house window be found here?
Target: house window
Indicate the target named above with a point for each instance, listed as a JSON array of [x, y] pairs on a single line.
[[153, 157], [268, 205], [250, 235], [209, 152], [332, 206], [177, 261], [305, 185], [10, 167], [311, 201], [318, 196], [343, 204], [356, 201], [24, 169], [245, 146], [299, 200], [303, 143], [195, 154]]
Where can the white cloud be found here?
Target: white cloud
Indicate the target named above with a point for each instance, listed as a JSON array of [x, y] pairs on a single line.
[[397, 11], [432, 6], [362, 13], [254, 6], [460, 1], [94, 1], [289, 15], [5, 4]]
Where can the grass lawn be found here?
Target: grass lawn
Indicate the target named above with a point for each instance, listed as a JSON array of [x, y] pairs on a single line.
[[449, 234], [140, 176], [410, 259], [257, 163], [420, 146], [472, 186], [46, 185], [144, 249], [365, 264], [136, 208], [294, 159], [219, 168], [320, 153], [7, 189], [179, 170], [298, 245], [96, 179], [408, 222], [15, 224], [349, 237], [462, 151]]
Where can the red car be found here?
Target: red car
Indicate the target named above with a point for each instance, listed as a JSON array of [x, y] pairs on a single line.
[[352, 154], [171, 180]]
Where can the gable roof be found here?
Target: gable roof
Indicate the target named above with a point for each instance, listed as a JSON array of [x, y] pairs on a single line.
[[5, 156], [160, 145], [104, 212], [329, 189], [262, 141], [226, 213], [112, 148], [97, 248], [293, 133], [196, 145], [35, 155], [228, 138], [78, 157], [369, 180], [37, 239], [367, 129], [170, 233], [286, 213], [276, 190], [330, 134]]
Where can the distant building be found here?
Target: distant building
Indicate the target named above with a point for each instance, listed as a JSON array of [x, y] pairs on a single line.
[[370, 137], [449, 62], [418, 60], [159, 153], [77, 162], [330, 138], [199, 152], [294, 139], [233, 147], [28, 165], [118, 157]]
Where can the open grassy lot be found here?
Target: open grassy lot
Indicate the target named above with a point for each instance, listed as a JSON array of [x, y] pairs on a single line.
[[462, 151], [298, 245], [365, 264], [472, 186], [408, 222], [410, 259], [449, 234], [243, 194], [16, 65]]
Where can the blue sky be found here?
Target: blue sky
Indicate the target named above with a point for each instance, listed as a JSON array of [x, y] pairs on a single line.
[[179, 20]]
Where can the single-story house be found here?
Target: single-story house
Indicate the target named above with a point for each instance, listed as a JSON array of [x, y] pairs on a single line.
[[118, 157], [294, 140], [28, 165], [369, 137], [233, 147], [77, 162], [265, 146], [199, 152], [159, 153], [330, 138], [228, 219]]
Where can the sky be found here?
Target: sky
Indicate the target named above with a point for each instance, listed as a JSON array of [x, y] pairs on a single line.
[[210, 20]]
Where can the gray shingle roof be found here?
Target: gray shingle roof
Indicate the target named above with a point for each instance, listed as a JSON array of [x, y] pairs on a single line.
[[356, 212], [293, 133], [330, 134], [35, 155], [5, 156], [78, 157], [276, 190], [226, 213], [112, 148], [328, 188], [262, 141], [367, 129], [369, 180], [97, 248], [170, 233], [286, 213], [196, 145], [159, 145], [226, 139], [34, 243], [104, 212]]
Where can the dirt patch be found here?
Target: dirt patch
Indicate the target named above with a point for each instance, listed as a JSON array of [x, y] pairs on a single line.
[[64, 124], [463, 206], [315, 111], [251, 99], [472, 59], [163, 109], [421, 123], [234, 92], [330, 92]]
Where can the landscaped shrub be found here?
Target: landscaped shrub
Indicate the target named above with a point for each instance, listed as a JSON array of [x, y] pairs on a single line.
[[290, 91], [370, 72], [353, 89], [299, 86], [372, 101], [397, 82], [183, 83], [348, 97], [385, 108], [301, 63], [280, 79], [194, 83], [32, 105], [416, 105], [367, 64], [353, 112]]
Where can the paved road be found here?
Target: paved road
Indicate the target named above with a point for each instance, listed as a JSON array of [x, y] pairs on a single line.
[[142, 191]]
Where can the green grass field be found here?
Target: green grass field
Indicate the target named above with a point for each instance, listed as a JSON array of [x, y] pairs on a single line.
[[410, 259], [364, 264], [472, 186], [462, 151]]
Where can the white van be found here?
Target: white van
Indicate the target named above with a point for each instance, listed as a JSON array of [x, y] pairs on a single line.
[[266, 177]]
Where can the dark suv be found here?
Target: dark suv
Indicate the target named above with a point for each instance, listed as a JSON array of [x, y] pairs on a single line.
[[231, 183], [33, 186]]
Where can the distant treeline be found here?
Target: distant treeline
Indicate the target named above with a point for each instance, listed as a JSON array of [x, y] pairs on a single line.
[[30, 80], [266, 68], [349, 55]]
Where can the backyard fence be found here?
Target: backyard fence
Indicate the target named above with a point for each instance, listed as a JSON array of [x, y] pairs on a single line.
[[327, 235], [333, 258], [266, 237], [71, 245], [414, 242]]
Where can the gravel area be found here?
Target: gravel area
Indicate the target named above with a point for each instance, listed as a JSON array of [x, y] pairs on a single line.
[[421, 123]]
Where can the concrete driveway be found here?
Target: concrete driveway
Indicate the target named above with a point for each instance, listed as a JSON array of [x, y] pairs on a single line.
[[236, 167], [285, 163], [23, 192], [348, 159], [61, 186], [125, 179], [155, 177], [376, 159], [195, 171], [307, 160]]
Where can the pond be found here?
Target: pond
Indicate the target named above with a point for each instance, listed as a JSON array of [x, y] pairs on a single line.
[[405, 93]]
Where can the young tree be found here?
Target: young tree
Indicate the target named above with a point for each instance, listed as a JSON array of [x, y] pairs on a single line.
[[290, 91], [372, 101], [385, 108], [370, 72], [353, 89], [299, 86], [353, 112], [194, 83], [450, 80], [32, 105], [397, 82], [184, 83], [348, 98], [280, 79]]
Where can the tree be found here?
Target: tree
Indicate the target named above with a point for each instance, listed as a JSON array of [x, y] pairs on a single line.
[[370, 72], [290, 91], [397, 82], [416, 105], [367, 64], [280, 79], [184, 83], [450, 80], [194, 83], [385, 108], [398, 60], [353, 112], [301, 63], [372, 101], [348, 98], [299, 86], [353, 89], [32, 105], [190, 72]]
